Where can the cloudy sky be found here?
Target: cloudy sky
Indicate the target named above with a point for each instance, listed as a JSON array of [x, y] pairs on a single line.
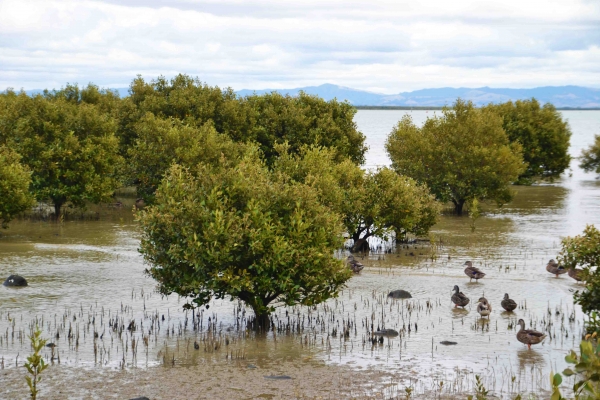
[[386, 46]]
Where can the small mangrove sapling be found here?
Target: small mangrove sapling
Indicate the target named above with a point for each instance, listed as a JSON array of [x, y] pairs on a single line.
[[35, 363]]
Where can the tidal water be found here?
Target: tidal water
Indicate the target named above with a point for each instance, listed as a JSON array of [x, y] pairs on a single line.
[[87, 285]]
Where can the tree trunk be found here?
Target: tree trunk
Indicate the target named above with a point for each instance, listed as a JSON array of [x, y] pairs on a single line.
[[57, 207], [400, 237], [458, 206], [262, 321], [360, 245]]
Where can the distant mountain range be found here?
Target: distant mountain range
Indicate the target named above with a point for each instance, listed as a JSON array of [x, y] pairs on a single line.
[[560, 96]]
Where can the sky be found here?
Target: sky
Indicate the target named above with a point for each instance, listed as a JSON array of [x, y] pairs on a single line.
[[386, 46]]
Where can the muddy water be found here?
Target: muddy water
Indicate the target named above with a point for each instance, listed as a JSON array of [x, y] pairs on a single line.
[[87, 277]]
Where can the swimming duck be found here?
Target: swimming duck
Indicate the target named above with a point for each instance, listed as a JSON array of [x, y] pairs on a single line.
[[458, 298], [529, 336], [508, 304], [484, 308], [472, 272], [576, 274], [555, 269], [354, 265]]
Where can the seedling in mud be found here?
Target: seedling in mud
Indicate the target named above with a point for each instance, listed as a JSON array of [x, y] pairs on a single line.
[[35, 363]]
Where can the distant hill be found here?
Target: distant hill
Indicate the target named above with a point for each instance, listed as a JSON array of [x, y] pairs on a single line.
[[560, 96]]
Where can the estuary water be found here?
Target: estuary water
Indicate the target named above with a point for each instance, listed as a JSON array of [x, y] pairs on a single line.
[[88, 290]]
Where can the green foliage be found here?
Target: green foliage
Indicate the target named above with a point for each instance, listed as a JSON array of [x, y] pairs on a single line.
[[304, 120], [590, 157], [244, 232], [188, 100], [70, 147], [266, 119], [584, 251], [541, 132], [555, 381], [586, 369], [106, 99], [371, 203], [163, 142], [462, 155], [14, 186], [35, 363], [474, 213], [480, 391]]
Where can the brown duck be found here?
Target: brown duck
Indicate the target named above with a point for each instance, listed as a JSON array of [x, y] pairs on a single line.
[[576, 274], [472, 272], [508, 304], [458, 298], [484, 308], [354, 265], [529, 336], [555, 269]]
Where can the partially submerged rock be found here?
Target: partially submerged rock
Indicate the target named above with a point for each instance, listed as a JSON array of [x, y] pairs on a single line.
[[15, 281], [448, 343], [278, 377], [386, 332], [400, 294]]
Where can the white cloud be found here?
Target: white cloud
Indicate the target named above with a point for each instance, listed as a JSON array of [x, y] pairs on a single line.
[[383, 46]]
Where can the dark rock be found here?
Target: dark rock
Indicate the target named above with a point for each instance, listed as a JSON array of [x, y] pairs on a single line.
[[448, 343], [15, 281], [278, 377], [140, 398], [400, 294], [386, 332]]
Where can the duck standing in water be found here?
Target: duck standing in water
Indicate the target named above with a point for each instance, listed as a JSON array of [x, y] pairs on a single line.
[[529, 336], [555, 269], [354, 265], [458, 298], [484, 308], [576, 274], [508, 304], [472, 272]]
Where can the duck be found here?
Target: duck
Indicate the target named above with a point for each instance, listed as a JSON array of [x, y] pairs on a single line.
[[354, 265], [484, 308], [555, 269], [529, 336], [508, 304], [458, 298], [472, 272], [576, 274]]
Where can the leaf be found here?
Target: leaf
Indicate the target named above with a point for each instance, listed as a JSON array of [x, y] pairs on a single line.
[[556, 379]]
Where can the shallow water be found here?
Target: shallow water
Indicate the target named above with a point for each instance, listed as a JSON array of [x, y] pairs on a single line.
[[88, 276]]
